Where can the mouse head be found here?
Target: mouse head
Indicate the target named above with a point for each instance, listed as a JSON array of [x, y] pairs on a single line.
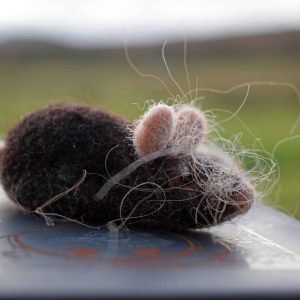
[[201, 179]]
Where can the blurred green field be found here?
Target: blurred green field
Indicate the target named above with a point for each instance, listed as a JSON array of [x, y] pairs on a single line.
[[109, 82]]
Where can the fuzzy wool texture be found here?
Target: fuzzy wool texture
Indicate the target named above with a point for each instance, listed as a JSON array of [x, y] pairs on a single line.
[[48, 151], [155, 131], [191, 126]]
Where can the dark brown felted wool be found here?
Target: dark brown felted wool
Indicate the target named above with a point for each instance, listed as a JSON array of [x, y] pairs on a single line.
[[47, 152]]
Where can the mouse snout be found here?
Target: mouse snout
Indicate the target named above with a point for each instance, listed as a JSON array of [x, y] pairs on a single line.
[[244, 197]]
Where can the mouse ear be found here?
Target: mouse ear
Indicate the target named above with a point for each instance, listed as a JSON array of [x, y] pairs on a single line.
[[154, 130], [191, 126]]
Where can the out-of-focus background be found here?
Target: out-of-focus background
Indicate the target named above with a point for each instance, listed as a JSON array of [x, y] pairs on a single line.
[[73, 51]]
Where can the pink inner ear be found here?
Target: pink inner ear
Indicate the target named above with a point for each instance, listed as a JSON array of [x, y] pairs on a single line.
[[154, 130], [191, 126]]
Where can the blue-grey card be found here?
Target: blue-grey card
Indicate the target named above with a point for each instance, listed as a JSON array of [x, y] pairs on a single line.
[[256, 255]]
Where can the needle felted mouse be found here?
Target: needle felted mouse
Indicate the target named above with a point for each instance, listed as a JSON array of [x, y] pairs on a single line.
[[94, 167]]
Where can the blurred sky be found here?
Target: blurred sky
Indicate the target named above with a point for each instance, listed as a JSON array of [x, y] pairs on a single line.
[[86, 22]]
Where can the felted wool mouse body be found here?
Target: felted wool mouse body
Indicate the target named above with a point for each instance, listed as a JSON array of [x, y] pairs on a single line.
[[156, 173]]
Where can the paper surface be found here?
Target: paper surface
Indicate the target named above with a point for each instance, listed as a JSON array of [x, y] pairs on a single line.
[[249, 255]]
